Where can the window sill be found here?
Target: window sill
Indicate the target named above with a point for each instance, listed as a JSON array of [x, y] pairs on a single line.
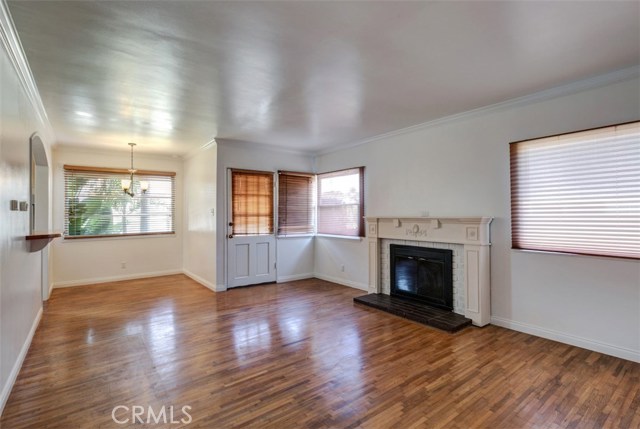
[[71, 238], [344, 237], [295, 236], [587, 255]]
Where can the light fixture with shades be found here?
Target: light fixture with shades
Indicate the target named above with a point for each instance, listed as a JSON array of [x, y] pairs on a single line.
[[127, 184]]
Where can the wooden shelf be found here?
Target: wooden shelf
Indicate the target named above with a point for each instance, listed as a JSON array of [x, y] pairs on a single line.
[[43, 236], [39, 240]]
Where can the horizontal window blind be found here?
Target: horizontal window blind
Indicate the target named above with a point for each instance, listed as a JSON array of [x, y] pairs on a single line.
[[96, 206], [341, 202], [295, 203], [578, 193], [252, 202]]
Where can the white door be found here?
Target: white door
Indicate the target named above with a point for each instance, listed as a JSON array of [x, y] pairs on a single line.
[[251, 243], [251, 260]]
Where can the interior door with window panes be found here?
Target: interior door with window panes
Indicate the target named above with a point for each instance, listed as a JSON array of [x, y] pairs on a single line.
[[251, 244]]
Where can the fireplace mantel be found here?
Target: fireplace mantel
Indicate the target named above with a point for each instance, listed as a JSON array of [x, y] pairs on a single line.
[[472, 232]]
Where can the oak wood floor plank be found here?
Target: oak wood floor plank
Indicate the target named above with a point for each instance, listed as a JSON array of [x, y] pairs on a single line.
[[299, 355]]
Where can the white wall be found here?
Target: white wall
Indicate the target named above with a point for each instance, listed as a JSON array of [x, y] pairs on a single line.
[[199, 259], [20, 270], [332, 253], [295, 256], [94, 260], [461, 168]]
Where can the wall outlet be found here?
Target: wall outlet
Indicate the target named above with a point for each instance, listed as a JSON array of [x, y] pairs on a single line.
[[123, 265]]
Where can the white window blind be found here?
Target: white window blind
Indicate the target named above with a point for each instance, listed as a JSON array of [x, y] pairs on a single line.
[[341, 202], [96, 206], [295, 203], [578, 193]]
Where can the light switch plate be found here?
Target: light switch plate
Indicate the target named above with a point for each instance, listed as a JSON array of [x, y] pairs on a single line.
[[14, 205], [24, 206]]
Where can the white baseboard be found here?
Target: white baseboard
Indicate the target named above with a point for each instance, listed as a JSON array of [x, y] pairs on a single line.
[[6, 389], [203, 282], [294, 277], [97, 280], [355, 285], [597, 346]]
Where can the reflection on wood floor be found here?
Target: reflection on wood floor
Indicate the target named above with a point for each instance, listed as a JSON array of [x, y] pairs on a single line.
[[298, 355]]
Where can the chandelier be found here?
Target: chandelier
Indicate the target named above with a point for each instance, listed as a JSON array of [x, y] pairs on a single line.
[[127, 184]]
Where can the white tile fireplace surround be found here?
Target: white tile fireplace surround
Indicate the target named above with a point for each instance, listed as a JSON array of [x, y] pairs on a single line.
[[470, 238]]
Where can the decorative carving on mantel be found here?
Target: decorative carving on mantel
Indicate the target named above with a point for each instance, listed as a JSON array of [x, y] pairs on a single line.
[[472, 232], [416, 231]]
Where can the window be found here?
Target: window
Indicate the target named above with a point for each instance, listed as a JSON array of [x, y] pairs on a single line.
[[295, 203], [252, 202], [341, 202], [578, 193], [96, 206]]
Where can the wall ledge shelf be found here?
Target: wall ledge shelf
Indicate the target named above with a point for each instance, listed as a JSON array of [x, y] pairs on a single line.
[[39, 240]]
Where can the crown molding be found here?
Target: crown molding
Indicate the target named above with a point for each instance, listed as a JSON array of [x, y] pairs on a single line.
[[243, 144], [208, 145], [558, 91], [13, 47]]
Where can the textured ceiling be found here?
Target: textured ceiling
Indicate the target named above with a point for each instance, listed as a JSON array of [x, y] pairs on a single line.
[[306, 76]]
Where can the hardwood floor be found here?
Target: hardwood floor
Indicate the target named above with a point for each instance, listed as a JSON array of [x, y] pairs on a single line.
[[298, 355]]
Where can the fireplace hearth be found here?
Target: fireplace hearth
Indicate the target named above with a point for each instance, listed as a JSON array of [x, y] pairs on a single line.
[[421, 287], [416, 311]]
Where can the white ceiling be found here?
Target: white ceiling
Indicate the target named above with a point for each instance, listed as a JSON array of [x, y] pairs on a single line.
[[306, 76]]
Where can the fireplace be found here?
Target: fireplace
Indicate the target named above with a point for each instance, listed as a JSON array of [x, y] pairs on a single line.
[[470, 240], [422, 274]]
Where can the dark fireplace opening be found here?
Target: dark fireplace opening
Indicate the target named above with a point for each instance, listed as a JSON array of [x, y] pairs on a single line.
[[423, 274]]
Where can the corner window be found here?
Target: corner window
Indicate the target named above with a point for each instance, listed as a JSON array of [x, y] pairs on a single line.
[[96, 206], [295, 203], [578, 193], [341, 202]]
